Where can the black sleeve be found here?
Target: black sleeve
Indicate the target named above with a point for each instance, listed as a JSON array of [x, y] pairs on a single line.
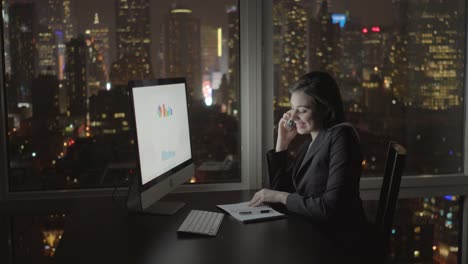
[[281, 168], [279, 172]]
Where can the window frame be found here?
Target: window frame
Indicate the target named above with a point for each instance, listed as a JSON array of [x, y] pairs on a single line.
[[256, 127]]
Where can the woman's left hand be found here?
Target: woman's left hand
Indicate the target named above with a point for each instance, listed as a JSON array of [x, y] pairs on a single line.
[[268, 196]]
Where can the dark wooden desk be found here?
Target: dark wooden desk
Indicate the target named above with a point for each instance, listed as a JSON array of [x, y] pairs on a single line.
[[102, 231]]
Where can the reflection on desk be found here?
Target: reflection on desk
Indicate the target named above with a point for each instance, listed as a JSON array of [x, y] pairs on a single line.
[[102, 231]]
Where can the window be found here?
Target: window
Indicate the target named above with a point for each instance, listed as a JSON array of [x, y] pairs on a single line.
[[67, 64], [425, 230], [400, 68]]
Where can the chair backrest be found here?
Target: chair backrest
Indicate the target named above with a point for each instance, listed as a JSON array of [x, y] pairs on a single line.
[[390, 187]]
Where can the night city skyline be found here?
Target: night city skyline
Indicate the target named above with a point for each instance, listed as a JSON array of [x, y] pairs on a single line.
[[369, 62]]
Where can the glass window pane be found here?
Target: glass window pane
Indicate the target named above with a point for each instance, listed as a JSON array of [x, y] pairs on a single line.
[[399, 65], [425, 230], [36, 237], [67, 64]]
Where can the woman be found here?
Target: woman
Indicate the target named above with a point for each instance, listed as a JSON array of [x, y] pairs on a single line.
[[322, 183]]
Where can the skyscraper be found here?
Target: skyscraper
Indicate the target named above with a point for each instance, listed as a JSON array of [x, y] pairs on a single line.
[[46, 52], [233, 60], [98, 36], [435, 51], [76, 79], [57, 19], [209, 49], [324, 36], [182, 48], [374, 50], [96, 78], [397, 60], [351, 65], [69, 26], [45, 98], [133, 42], [22, 47], [290, 44]]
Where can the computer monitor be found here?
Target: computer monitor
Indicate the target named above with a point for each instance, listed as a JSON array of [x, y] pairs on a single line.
[[162, 137]]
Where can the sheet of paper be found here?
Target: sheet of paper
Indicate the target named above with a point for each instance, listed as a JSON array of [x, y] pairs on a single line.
[[244, 213]]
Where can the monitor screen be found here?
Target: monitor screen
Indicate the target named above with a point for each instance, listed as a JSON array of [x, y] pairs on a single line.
[[162, 127]]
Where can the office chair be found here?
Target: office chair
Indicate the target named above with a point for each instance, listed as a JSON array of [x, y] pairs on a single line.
[[389, 193]]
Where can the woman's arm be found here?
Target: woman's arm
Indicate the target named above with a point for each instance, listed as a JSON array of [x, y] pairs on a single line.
[[279, 172]]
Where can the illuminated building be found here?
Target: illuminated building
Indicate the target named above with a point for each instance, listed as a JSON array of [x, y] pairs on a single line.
[[76, 78], [434, 52], [68, 18], [351, 67], [233, 76], [109, 113], [57, 18], [97, 43], [133, 41], [209, 48], [22, 27], [95, 69], [443, 213], [397, 62], [182, 49], [46, 52], [290, 49], [98, 36], [324, 51], [374, 51]]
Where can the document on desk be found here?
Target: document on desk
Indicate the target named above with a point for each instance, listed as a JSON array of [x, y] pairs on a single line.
[[246, 214]]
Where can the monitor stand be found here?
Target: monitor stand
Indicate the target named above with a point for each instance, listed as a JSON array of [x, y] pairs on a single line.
[[158, 208], [164, 208]]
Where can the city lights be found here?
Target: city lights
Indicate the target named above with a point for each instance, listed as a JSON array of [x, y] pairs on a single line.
[[208, 101], [220, 42], [339, 19], [181, 10]]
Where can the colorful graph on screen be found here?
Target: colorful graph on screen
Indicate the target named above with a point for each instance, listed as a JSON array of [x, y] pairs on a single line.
[[164, 111]]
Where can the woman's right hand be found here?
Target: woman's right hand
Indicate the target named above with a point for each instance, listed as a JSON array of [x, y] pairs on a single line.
[[285, 133]]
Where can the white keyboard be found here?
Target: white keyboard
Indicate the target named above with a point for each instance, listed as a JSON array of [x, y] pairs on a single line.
[[201, 222]]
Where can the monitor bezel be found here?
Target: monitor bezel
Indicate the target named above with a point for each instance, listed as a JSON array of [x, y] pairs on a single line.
[[136, 84]]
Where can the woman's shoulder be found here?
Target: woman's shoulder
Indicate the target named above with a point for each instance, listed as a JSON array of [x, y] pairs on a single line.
[[344, 129]]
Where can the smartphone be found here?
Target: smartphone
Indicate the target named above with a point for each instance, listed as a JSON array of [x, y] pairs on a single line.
[[290, 123]]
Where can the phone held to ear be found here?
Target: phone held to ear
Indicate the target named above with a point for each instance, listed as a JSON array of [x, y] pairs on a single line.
[[290, 123]]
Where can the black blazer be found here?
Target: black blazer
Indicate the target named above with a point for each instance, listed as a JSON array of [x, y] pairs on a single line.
[[324, 179]]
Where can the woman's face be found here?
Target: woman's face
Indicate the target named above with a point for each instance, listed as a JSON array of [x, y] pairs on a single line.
[[301, 106]]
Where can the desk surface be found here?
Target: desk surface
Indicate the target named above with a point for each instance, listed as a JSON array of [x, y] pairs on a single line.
[[102, 231]]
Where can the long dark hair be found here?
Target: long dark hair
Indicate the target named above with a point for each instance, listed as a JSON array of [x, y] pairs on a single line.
[[327, 105]]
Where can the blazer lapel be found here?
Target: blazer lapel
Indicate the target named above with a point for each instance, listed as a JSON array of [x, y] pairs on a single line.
[[316, 145]]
